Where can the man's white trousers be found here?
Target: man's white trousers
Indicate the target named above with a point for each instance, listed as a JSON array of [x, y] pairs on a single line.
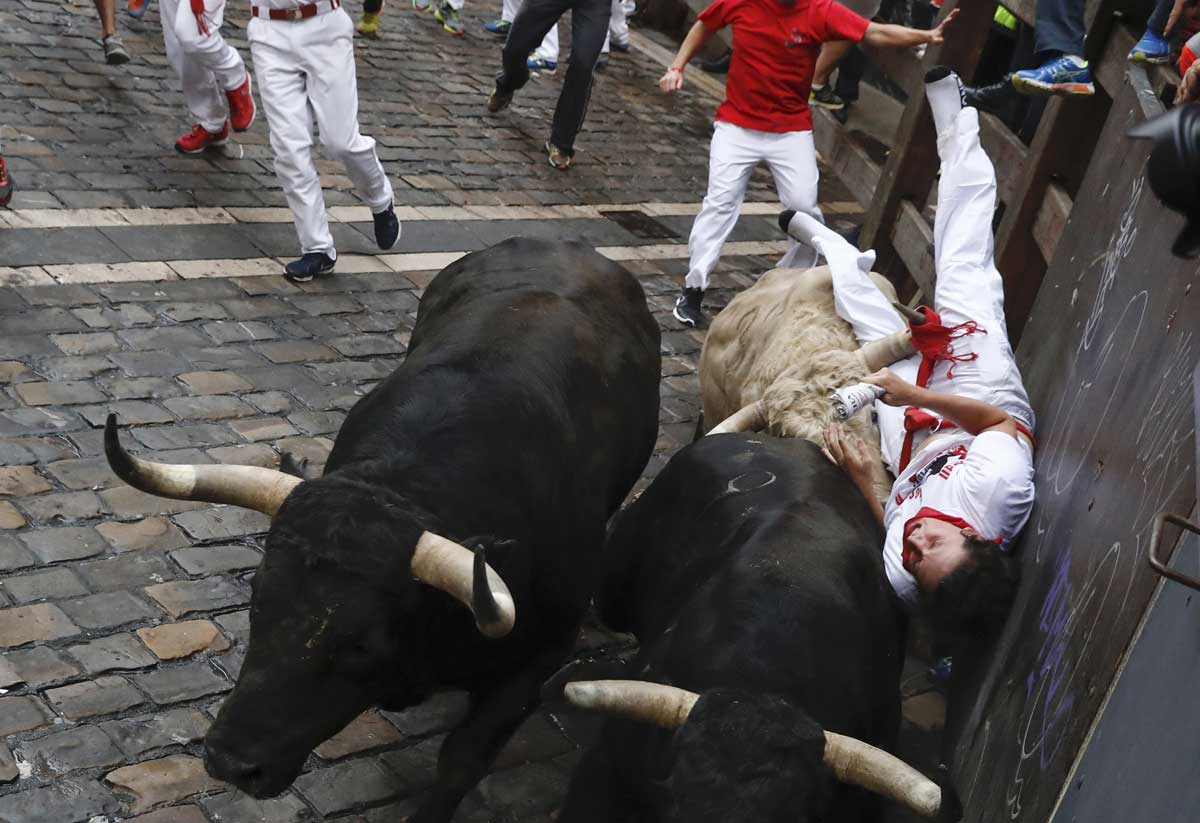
[[792, 158], [618, 24], [548, 50], [207, 66], [968, 288], [307, 66]]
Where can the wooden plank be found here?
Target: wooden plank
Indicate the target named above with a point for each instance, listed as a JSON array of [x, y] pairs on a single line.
[[845, 156], [910, 168], [1051, 220], [1060, 150], [1108, 362], [1007, 152], [912, 237]]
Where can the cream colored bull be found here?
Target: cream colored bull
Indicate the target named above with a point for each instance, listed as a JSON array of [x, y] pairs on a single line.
[[779, 349]]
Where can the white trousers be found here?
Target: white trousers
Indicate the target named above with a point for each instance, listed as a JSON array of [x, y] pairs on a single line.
[[792, 158], [306, 68], [618, 24], [548, 50], [968, 288], [207, 66]]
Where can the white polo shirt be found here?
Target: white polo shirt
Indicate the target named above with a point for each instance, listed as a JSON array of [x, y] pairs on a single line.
[[986, 480]]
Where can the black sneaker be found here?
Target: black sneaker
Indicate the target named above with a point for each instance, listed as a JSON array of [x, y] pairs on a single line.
[[387, 228], [308, 267], [499, 100], [826, 98], [687, 308]]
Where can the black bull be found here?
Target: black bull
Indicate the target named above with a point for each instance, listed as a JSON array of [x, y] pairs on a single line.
[[750, 570], [525, 410]]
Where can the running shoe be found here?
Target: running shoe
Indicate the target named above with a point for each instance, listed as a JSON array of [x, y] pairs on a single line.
[[387, 227], [1151, 49], [498, 27], [450, 19], [826, 98], [368, 26], [687, 308], [538, 64], [498, 100], [423, 5], [114, 51], [1068, 74], [559, 159], [136, 8], [199, 139], [6, 185], [308, 267]]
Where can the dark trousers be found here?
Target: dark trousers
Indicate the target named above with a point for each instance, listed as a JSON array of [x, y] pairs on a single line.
[[372, 6], [589, 26], [1058, 27]]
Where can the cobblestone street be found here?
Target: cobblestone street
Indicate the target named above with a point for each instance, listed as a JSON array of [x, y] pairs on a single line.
[[142, 282]]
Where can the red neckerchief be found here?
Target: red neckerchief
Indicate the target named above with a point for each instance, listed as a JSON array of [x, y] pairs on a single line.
[[933, 514], [198, 10]]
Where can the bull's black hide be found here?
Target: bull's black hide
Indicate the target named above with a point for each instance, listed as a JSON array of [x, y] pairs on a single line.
[[751, 572], [526, 409]]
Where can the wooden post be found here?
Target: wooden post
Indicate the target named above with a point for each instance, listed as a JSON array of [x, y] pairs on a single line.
[[913, 162]]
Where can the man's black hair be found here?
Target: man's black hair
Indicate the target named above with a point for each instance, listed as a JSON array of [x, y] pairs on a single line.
[[976, 597]]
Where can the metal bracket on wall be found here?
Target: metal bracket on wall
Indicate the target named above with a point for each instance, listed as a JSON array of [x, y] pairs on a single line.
[[1156, 538]]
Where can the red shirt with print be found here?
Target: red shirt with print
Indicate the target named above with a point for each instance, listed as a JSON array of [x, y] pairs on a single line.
[[775, 48]]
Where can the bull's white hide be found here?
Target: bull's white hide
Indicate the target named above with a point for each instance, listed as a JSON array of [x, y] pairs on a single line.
[[782, 341]]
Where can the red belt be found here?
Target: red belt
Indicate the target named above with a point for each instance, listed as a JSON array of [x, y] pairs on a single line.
[[295, 13]]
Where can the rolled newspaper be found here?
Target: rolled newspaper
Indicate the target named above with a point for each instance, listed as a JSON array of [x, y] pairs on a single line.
[[850, 400]]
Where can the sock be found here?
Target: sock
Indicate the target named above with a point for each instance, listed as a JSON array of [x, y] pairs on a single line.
[[944, 92]]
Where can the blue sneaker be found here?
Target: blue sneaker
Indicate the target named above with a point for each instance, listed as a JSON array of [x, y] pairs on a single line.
[[498, 27], [1151, 49], [1063, 75], [538, 64]]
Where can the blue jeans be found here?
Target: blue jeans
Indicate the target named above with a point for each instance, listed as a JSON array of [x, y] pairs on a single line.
[[1058, 27]]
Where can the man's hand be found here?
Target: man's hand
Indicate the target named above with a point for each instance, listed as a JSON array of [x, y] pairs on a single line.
[[938, 33], [849, 452], [1189, 86], [897, 391], [1176, 10], [672, 81]]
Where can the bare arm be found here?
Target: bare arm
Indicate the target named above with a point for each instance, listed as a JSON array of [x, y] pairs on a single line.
[[849, 452], [973, 416], [695, 40], [887, 35]]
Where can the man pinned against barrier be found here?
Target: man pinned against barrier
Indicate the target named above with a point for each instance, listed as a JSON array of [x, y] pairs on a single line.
[[216, 86], [304, 60], [765, 116], [955, 420]]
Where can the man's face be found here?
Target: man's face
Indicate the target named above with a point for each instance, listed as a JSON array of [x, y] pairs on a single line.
[[932, 549]]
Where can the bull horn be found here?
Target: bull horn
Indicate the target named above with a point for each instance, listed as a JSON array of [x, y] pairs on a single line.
[[863, 765], [667, 707], [251, 487], [885, 351], [914, 317], [752, 418], [851, 761], [455, 570]]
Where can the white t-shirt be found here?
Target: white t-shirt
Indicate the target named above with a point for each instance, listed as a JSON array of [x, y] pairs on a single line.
[[985, 480]]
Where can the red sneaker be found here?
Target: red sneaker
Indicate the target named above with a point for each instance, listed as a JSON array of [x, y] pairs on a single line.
[[200, 138], [6, 184], [241, 106]]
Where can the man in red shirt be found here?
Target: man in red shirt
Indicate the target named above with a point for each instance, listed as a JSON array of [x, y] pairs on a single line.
[[765, 115]]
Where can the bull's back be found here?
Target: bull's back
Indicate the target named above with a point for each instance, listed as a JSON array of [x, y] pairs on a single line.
[[753, 561]]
